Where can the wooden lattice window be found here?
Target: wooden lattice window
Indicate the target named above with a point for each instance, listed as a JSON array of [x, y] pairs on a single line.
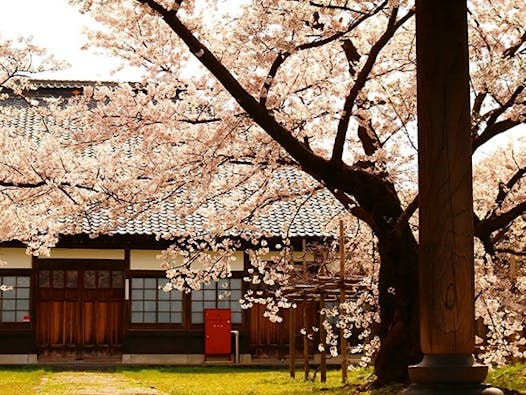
[[223, 294], [150, 304], [14, 303]]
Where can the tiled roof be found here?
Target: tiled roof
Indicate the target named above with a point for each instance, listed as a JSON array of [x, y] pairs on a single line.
[[309, 217], [312, 219], [300, 217], [67, 84]]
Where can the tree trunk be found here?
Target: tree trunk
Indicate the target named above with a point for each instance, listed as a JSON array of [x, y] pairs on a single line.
[[398, 300], [380, 208]]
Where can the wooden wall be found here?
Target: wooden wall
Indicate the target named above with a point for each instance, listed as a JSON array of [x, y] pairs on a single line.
[[269, 339]]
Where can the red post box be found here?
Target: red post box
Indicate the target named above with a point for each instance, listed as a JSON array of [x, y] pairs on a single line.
[[217, 332]]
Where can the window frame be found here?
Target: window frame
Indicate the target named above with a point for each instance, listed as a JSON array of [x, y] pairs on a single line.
[[240, 325], [187, 324], [19, 273], [159, 275]]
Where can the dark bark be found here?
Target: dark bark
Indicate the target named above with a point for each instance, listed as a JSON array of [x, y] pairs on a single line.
[[399, 330], [398, 277]]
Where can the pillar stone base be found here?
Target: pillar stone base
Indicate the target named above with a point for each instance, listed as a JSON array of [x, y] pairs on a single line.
[[451, 389], [449, 374]]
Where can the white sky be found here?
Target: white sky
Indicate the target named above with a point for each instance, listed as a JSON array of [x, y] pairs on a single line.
[[58, 26]]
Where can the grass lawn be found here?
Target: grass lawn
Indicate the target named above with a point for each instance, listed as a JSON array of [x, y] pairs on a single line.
[[249, 381], [21, 380], [512, 377], [209, 380]]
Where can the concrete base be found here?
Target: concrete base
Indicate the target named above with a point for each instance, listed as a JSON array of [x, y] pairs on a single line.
[[449, 374], [18, 359], [447, 369], [451, 389], [174, 359]]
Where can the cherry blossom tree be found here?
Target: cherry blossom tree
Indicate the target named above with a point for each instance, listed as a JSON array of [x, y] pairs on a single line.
[[324, 86], [231, 98], [500, 303], [20, 59]]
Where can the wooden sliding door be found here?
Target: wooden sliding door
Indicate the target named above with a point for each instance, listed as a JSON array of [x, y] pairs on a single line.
[[80, 308]]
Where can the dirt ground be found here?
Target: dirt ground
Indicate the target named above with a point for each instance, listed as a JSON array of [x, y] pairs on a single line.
[[92, 383]]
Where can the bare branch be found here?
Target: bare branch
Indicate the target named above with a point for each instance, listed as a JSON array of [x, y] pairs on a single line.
[[282, 57], [404, 217], [335, 7], [361, 79], [510, 251], [511, 51], [494, 130], [485, 227], [504, 189], [494, 127], [477, 103]]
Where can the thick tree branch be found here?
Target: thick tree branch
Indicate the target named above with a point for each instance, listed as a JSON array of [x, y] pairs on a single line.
[[351, 53], [361, 79], [368, 139], [510, 251], [404, 217], [495, 127], [477, 103], [504, 189], [494, 130], [493, 116], [485, 227], [350, 205]]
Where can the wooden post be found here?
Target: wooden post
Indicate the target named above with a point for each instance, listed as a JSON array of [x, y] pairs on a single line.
[[305, 323], [343, 340], [292, 330], [292, 342], [305, 340], [323, 338], [445, 204]]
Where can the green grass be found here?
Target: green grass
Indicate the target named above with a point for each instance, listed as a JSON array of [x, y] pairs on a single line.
[[233, 381], [20, 380], [209, 380], [511, 377]]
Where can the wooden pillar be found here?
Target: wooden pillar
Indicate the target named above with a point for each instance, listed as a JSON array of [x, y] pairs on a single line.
[[446, 209], [445, 204]]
